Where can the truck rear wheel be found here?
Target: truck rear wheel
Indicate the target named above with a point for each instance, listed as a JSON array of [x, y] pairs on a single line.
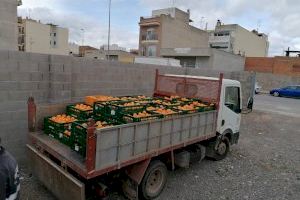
[[154, 180]]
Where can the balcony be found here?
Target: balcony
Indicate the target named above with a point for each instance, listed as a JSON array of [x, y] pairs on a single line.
[[150, 38], [219, 39]]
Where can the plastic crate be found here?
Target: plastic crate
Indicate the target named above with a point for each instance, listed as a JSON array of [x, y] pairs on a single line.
[[51, 127], [79, 148], [79, 114], [131, 118], [120, 109], [79, 131]]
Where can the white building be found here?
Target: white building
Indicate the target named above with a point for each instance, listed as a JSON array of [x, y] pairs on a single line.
[[43, 38], [73, 49], [238, 40], [8, 24], [113, 47]]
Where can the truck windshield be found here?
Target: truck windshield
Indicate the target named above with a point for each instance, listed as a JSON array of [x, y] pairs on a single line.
[[232, 98]]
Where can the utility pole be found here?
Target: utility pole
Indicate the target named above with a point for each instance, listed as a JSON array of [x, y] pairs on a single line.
[[108, 39], [82, 36]]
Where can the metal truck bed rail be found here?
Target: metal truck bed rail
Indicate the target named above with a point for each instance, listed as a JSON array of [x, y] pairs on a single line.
[[123, 143]]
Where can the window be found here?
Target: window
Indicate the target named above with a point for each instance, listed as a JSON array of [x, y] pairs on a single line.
[[151, 50], [54, 34], [232, 98], [54, 43]]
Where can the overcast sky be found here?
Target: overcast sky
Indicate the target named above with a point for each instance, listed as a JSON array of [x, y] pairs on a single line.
[[280, 19]]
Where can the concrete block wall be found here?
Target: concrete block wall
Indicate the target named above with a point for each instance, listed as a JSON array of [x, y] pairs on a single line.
[[51, 78], [270, 81]]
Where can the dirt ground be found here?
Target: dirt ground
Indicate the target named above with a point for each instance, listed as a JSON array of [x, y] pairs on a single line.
[[264, 165]]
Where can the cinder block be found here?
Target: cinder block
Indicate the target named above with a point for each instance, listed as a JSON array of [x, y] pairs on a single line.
[[56, 86], [19, 95], [19, 115], [13, 105], [4, 55], [5, 76], [4, 96], [8, 66], [57, 68], [8, 85], [36, 76], [43, 67], [43, 85], [60, 77], [20, 76], [28, 66], [37, 58], [18, 55], [28, 86]]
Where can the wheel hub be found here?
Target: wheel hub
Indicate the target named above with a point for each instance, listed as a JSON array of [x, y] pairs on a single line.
[[221, 148], [155, 181]]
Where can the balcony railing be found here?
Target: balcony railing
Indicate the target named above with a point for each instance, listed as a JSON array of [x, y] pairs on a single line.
[[149, 37]]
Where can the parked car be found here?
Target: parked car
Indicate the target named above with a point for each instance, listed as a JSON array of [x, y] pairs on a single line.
[[289, 91], [257, 88]]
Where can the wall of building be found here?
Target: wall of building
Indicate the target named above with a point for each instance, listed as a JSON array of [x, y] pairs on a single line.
[[270, 81], [37, 38], [225, 61], [277, 65], [8, 25], [53, 78], [249, 43], [179, 34]]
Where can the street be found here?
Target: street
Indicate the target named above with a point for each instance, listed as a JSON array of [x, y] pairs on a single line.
[[264, 165], [278, 105]]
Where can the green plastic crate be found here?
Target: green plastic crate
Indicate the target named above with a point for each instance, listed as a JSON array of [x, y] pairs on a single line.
[[79, 114], [131, 118]]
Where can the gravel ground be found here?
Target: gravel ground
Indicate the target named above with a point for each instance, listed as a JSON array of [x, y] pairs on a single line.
[[264, 165]]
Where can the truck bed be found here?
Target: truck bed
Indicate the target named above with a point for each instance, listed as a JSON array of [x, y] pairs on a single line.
[[123, 145]]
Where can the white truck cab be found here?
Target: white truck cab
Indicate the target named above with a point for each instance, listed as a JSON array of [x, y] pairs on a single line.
[[230, 106]]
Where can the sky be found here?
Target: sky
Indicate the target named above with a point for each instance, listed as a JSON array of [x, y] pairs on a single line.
[[279, 19]]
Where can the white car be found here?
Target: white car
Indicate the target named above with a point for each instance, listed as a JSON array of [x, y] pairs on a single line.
[[257, 88]]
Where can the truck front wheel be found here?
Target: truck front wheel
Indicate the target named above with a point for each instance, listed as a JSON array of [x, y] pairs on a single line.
[[154, 180], [220, 151]]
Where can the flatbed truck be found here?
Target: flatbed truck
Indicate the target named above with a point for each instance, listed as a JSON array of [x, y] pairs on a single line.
[[135, 158]]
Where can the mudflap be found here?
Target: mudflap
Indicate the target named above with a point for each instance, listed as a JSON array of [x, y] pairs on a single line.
[[135, 174], [62, 184]]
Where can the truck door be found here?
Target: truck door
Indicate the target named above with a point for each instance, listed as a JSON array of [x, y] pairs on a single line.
[[231, 109]]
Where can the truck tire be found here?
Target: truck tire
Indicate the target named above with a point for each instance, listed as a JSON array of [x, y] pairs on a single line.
[[221, 151], [154, 181]]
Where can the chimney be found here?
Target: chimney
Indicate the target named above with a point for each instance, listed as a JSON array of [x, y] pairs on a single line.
[[219, 23]]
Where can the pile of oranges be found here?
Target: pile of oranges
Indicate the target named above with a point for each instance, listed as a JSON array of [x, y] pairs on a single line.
[[172, 98], [165, 111], [186, 107], [83, 107], [90, 100], [131, 104], [61, 119], [198, 104], [100, 124], [141, 114]]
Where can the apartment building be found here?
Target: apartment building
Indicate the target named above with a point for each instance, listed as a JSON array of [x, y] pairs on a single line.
[[36, 37], [169, 28], [8, 24], [237, 40]]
